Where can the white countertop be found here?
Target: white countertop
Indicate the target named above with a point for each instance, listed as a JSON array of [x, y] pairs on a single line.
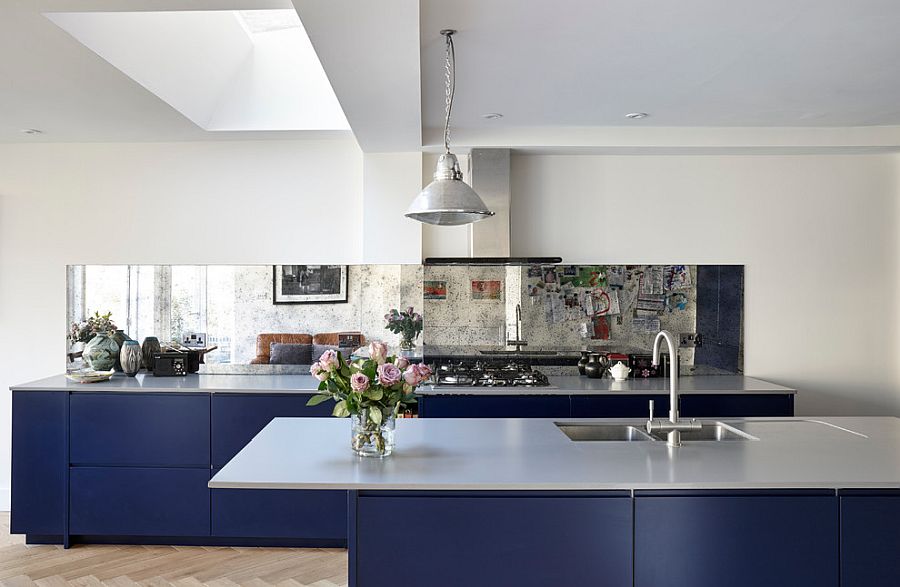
[[533, 454], [308, 384], [575, 385]]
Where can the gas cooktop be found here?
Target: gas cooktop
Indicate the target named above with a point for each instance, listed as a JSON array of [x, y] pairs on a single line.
[[489, 374]]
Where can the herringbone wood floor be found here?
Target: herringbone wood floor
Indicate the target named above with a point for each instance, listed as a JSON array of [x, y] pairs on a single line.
[[88, 565]]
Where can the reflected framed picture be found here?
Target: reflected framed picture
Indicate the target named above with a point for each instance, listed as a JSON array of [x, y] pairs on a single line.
[[434, 290], [309, 284], [488, 290]]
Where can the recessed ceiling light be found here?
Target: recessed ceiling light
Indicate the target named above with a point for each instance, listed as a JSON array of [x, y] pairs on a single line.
[[636, 115], [31, 131], [492, 116]]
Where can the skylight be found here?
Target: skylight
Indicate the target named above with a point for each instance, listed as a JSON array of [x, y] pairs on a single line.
[[247, 70]]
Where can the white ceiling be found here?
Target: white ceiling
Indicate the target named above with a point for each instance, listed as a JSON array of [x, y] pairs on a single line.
[[814, 74]]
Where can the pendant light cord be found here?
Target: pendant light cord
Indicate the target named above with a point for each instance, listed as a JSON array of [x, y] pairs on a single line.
[[450, 81]]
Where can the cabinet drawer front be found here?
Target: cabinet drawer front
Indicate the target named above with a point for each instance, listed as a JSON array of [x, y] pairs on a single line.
[[237, 418], [870, 540], [254, 513], [611, 406], [139, 429], [487, 541], [38, 462], [495, 406], [738, 541], [139, 502], [736, 405]]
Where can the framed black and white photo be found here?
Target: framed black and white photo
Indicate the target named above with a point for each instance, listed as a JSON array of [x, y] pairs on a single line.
[[309, 284]]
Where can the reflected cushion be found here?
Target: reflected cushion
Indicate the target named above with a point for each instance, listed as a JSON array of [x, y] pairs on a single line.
[[284, 353]]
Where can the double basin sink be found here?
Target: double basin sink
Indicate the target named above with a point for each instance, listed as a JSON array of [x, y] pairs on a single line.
[[619, 432]]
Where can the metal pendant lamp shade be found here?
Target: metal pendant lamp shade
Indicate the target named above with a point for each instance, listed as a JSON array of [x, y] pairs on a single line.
[[448, 200]]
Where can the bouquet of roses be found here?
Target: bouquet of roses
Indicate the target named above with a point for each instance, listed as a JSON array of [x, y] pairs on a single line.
[[374, 389], [407, 324]]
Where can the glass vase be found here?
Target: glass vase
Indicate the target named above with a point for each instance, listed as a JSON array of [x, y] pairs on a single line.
[[369, 439], [407, 345], [100, 353]]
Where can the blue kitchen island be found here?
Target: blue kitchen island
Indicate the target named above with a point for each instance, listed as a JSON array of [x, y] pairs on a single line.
[[774, 501]]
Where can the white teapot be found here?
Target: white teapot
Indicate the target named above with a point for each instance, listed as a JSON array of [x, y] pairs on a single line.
[[620, 371]]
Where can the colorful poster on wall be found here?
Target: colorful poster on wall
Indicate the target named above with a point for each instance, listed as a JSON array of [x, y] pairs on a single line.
[[490, 290], [677, 277], [434, 290]]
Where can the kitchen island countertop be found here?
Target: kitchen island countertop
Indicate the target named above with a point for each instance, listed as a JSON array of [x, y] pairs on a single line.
[[534, 454]]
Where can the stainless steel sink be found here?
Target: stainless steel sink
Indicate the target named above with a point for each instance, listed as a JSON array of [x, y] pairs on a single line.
[[711, 432], [523, 352], [592, 432]]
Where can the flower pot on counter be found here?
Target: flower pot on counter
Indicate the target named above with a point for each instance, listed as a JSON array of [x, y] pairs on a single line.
[[596, 366], [149, 347], [130, 357], [101, 352]]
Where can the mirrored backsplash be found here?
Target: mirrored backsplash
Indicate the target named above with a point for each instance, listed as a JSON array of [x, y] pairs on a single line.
[[466, 308]]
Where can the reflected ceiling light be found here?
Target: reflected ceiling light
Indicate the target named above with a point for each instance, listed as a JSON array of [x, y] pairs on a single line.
[[492, 116], [636, 115], [31, 131], [448, 200]]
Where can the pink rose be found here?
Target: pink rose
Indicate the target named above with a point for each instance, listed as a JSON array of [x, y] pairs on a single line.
[[359, 382], [378, 351], [424, 372], [416, 374], [318, 372], [402, 363], [329, 360], [410, 310], [388, 374]]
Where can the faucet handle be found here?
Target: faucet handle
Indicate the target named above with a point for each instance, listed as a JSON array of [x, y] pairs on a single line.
[[651, 408]]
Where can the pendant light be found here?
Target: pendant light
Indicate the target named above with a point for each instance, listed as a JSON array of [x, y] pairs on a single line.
[[448, 200]]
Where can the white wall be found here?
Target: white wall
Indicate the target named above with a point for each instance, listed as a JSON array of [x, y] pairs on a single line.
[[818, 236], [223, 202]]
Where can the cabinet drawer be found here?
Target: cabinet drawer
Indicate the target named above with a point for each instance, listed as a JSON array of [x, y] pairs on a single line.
[[139, 429], [269, 513], [737, 538], [237, 418], [736, 405], [511, 539], [623, 406], [39, 462], [870, 538], [494, 406], [139, 501]]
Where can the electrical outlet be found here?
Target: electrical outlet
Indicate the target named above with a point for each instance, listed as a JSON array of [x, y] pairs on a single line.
[[689, 340]]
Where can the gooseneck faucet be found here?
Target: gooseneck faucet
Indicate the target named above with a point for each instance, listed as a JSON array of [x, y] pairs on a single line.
[[518, 342], [674, 426]]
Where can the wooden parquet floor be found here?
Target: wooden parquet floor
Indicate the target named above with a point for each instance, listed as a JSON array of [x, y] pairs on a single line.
[[160, 566]]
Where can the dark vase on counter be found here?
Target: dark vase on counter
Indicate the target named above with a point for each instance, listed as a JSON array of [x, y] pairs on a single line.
[[582, 362], [148, 348], [120, 337], [595, 366]]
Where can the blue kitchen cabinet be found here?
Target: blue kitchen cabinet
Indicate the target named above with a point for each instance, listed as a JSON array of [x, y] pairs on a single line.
[[524, 539], [870, 537], [39, 463], [736, 405], [318, 517], [238, 417], [494, 406], [139, 429], [619, 406], [129, 501], [736, 538]]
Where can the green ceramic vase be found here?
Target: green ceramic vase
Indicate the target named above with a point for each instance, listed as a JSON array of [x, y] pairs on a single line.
[[100, 353]]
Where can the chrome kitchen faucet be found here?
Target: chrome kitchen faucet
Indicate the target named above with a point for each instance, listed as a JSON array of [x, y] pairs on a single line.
[[674, 426]]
